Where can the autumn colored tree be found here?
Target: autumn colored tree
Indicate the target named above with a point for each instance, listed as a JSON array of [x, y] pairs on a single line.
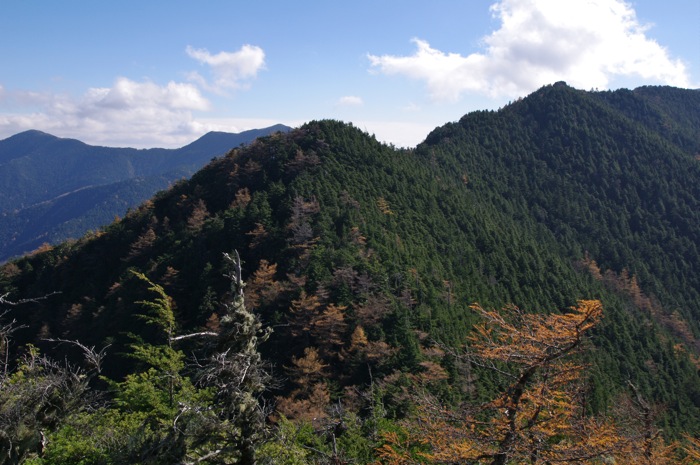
[[384, 207], [329, 327], [144, 243], [539, 417], [264, 288], [366, 351], [198, 216], [692, 450], [303, 161], [242, 198], [302, 312], [310, 399]]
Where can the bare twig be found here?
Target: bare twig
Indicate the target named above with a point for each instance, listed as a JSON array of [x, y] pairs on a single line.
[[92, 357], [4, 301], [189, 336]]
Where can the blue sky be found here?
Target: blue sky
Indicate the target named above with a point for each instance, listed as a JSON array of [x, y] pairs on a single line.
[[162, 73]]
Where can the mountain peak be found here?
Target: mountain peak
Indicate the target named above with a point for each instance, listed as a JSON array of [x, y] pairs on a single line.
[[218, 142], [24, 143], [32, 134]]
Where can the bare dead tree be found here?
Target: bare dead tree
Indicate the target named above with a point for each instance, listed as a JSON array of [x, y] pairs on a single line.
[[39, 394], [6, 331]]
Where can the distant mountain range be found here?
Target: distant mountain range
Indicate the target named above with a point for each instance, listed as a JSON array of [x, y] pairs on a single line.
[[52, 189]]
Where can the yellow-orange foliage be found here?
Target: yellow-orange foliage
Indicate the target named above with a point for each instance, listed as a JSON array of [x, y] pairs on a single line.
[[692, 450], [9, 270], [384, 207], [309, 406], [532, 340], [396, 450], [370, 351], [629, 286], [242, 198], [144, 242], [358, 340], [263, 287], [308, 368], [356, 237], [302, 313], [312, 397], [538, 418], [329, 326], [45, 247]]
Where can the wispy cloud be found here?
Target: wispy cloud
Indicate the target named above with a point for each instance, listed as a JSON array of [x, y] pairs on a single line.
[[350, 101], [229, 70], [584, 42]]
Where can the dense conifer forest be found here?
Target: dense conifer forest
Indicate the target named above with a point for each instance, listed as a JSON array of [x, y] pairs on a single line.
[[522, 287]]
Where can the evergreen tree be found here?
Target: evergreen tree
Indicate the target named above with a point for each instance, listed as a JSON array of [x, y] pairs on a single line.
[[237, 375]]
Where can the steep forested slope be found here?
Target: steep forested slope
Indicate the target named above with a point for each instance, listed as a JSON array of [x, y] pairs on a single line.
[[364, 259], [600, 180]]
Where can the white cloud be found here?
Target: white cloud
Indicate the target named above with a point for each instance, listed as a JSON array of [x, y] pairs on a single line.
[[138, 114], [134, 113], [350, 101], [230, 70], [584, 42], [130, 95]]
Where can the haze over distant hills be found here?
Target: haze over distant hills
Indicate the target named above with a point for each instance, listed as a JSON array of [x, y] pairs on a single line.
[[52, 189]]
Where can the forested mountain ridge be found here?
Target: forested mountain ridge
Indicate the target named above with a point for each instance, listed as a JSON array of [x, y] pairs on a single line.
[[364, 261], [613, 178], [52, 189]]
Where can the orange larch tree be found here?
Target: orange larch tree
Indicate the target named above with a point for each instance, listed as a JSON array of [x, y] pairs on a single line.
[[539, 417], [264, 288]]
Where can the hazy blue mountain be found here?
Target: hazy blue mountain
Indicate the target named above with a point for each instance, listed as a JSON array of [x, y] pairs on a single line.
[[52, 188]]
